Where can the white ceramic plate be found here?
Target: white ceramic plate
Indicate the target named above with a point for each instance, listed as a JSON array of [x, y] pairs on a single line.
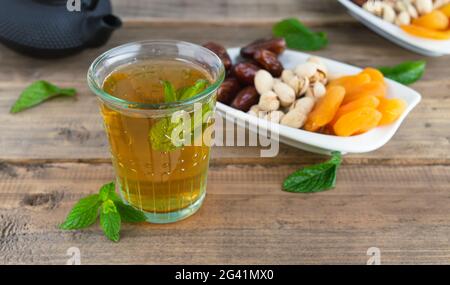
[[320, 143], [396, 34]]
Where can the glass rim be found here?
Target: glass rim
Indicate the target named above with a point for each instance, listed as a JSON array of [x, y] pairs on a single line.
[[97, 89]]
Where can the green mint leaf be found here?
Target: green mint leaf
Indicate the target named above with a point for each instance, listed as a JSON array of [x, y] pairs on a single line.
[[110, 220], [185, 93], [315, 178], [169, 92], [83, 214], [161, 132], [107, 191], [298, 36], [405, 73], [129, 214], [37, 93], [160, 135]]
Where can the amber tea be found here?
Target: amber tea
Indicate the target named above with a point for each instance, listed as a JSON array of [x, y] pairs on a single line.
[[167, 181]]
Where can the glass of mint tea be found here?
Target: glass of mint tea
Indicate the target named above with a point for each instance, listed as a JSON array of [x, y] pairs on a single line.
[[157, 99]]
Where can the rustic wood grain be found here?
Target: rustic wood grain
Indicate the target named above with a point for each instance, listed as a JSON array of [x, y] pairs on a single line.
[[396, 198], [48, 132], [246, 218], [228, 10]]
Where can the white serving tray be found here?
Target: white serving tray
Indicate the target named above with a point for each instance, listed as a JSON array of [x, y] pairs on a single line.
[[321, 143], [396, 34]]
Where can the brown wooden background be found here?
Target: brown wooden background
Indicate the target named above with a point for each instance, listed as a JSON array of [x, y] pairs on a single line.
[[396, 198]]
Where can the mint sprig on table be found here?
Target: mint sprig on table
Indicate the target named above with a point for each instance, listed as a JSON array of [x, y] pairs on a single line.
[[406, 73], [112, 213], [298, 36], [160, 133], [314, 178], [38, 92]]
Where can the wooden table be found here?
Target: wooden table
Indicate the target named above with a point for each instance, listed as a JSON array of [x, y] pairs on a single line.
[[396, 198]]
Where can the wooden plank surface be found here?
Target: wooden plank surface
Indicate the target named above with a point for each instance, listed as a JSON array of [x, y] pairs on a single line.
[[396, 198], [245, 218], [227, 10], [47, 132]]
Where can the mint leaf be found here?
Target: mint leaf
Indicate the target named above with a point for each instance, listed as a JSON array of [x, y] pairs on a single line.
[[37, 93], [160, 135], [129, 214], [298, 36], [169, 92], [107, 191], [406, 73], [110, 220], [315, 178], [83, 214], [189, 92]]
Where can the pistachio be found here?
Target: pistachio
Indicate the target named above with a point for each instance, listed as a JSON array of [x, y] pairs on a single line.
[[318, 90], [320, 64], [256, 111], [307, 69], [424, 6], [263, 81], [268, 101], [287, 75], [389, 14], [403, 18], [274, 116], [304, 105], [285, 93], [294, 118], [294, 82], [303, 86]]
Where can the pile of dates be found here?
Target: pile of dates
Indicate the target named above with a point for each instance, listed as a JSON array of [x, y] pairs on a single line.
[[238, 88]]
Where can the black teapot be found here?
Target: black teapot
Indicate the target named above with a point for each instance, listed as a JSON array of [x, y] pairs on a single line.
[[54, 28]]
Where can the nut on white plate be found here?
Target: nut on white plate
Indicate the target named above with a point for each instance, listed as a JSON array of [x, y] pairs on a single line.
[[274, 116], [263, 81], [287, 75], [294, 118], [285, 93], [307, 69], [268, 101], [304, 105]]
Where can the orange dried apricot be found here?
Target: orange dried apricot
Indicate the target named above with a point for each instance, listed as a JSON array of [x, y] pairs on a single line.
[[375, 74], [391, 109], [376, 89], [356, 122], [366, 101], [355, 82], [426, 33], [351, 81], [325, 109], [435, 20], [445, 9]]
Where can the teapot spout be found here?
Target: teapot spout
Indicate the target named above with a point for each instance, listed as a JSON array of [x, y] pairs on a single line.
[[101, 28]]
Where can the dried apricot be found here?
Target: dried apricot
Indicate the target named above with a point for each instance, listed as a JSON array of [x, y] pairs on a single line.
[[445, 9], [435, 20], [426, 33], [375, 74], [376, 89], [356, 122], [366, 101], [391, 109], [325, 108], [351, 82]]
